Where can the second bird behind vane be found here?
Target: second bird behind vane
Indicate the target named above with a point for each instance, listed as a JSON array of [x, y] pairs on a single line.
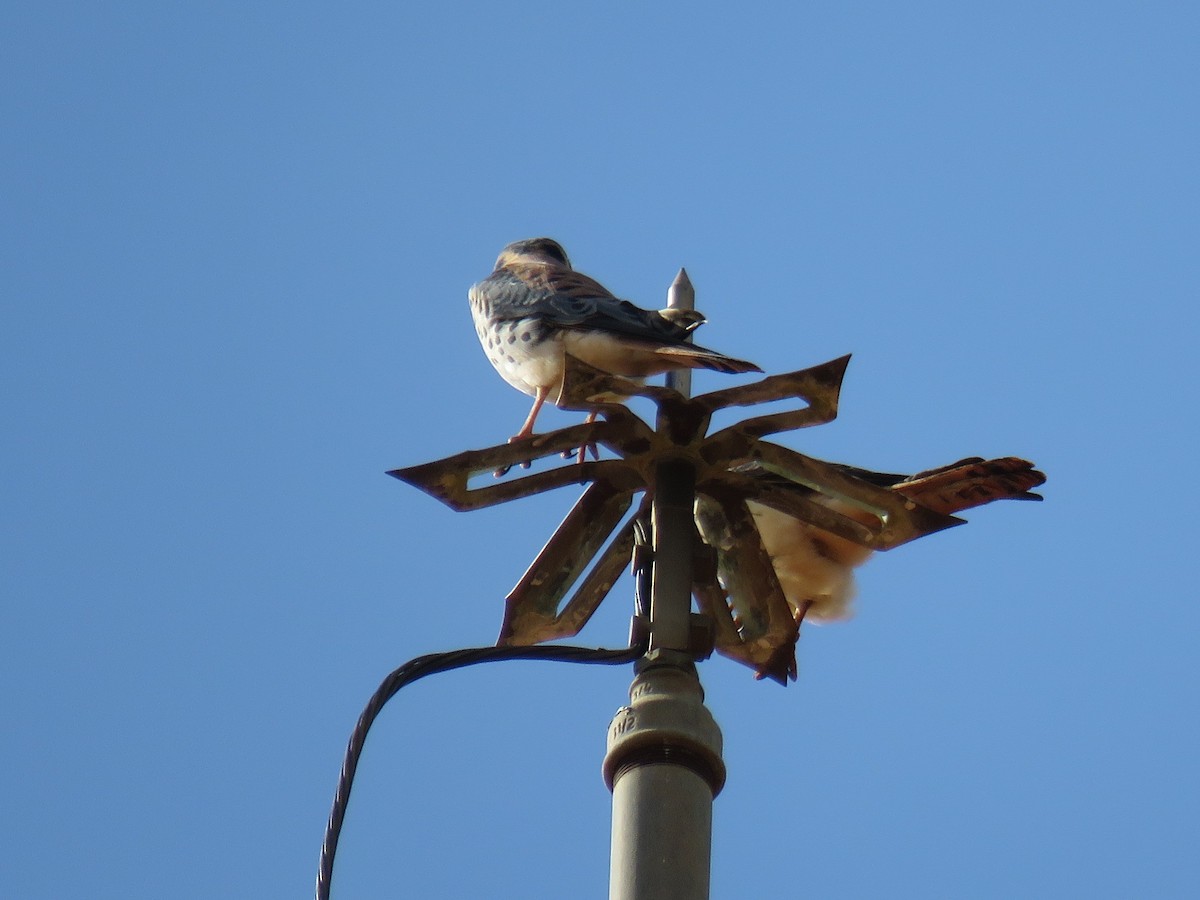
[[534, 308]]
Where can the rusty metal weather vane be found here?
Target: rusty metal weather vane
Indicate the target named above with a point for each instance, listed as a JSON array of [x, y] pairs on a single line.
[[752, 621], [763, 512]]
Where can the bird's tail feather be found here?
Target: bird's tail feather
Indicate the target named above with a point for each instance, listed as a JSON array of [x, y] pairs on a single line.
[[695, 357], [972, 482]]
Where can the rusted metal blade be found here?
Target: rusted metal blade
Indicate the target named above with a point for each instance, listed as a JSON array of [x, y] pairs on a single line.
[[586, 387], [448, 480], [819, 384], [849, 507], [597, 584], [819, 387], [531, 612], [754, 622]]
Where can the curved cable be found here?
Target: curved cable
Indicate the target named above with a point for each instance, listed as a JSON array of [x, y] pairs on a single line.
[[414, 669]]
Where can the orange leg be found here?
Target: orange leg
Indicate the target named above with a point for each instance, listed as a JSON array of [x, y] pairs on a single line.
[[527, 428], [583, 450]]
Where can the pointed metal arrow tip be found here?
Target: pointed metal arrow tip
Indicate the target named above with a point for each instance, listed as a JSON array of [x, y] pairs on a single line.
[[681, 294]]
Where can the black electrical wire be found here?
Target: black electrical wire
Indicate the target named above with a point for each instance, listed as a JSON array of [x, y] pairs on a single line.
[[414, 669]]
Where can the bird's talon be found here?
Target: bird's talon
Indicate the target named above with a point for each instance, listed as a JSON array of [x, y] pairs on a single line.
[[583, 452]]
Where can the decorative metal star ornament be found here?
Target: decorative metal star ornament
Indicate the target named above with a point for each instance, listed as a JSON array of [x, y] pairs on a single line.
[[746, 487]]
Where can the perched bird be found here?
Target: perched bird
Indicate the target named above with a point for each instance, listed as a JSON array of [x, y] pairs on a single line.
[[534, 308], [815, 568]]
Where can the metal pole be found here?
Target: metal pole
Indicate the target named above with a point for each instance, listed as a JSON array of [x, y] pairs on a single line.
[[664, 761]]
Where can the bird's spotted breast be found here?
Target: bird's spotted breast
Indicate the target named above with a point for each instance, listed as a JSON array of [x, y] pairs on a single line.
[[522, 350]]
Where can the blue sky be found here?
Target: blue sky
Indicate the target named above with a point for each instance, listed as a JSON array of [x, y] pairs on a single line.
[[236, 242]]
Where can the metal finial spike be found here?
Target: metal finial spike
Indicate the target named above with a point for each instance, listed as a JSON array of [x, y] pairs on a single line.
[[681, 294]]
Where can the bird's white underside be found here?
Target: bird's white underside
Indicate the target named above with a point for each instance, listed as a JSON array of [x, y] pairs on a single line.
[[529, 365]]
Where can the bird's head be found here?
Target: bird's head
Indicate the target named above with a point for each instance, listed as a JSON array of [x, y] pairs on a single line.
[[535, 251]]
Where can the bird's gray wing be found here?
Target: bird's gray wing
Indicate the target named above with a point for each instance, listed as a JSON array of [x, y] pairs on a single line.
[[563, 298]]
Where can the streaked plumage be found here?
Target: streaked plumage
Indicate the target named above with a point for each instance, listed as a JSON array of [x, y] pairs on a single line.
[[816, 569], [534, 308]]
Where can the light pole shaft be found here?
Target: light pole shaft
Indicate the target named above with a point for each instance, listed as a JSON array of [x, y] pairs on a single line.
[[664, 761], [683, 830], [664, 767], [671, 581]]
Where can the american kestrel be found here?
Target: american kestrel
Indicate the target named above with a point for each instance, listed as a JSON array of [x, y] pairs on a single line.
[[534, 308], [815, 568]]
